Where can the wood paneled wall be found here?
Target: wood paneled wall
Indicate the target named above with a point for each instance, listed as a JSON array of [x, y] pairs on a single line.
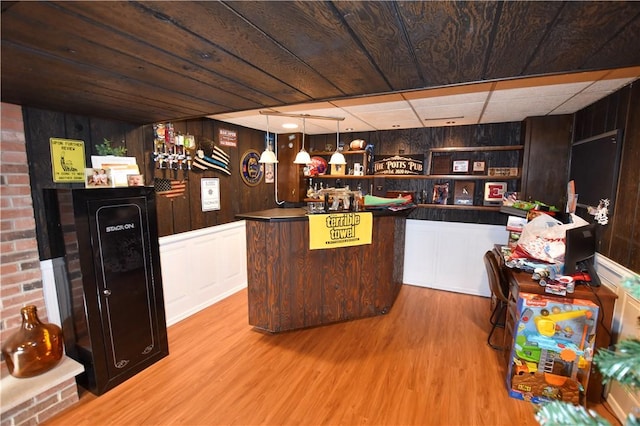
[[620, 110], [183, 214], [420, 141], [621, 240], [179, 214]]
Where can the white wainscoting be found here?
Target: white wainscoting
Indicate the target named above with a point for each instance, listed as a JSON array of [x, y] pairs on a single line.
[[52, 268], [626, 324], [202, 267], [448, 255]]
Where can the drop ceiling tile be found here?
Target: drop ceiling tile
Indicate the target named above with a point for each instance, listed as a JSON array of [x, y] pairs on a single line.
[[451, 122], [379, 107], [450, 100], [578, 102], [537, 92], [512, 100], [549, 80], [609, 86], [438, 92], [305, 108], [380, 119], [448, 111], [376, 99], [516, 110]]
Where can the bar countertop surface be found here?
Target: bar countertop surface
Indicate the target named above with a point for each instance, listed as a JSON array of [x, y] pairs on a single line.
[[299, 213], [275, 214]]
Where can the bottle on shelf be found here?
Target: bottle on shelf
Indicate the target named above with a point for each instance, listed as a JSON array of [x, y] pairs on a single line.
[[310, 190]]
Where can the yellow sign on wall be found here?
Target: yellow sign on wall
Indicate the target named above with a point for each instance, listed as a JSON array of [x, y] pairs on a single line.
[[67, 160], [327, 231]]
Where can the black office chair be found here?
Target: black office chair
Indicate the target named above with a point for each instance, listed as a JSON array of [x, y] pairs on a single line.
[[499, 289]]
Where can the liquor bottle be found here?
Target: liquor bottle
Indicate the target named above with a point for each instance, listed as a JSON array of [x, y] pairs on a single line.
[[310, 190]]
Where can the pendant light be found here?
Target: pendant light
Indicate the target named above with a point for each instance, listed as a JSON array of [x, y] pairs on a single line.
[[337, 157], [268, 156], [303, 156]]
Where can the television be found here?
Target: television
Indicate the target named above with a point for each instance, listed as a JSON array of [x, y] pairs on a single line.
[[580, 252]]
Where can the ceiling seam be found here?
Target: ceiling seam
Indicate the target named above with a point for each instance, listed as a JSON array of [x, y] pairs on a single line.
[[492, 38], [357, 40], [105, 72], [126, 35], [414, 111], [407, 40], [544, 37], [575, 94], [486, 102], [352, 115], [309, 67], [187, 30], [622, 27]]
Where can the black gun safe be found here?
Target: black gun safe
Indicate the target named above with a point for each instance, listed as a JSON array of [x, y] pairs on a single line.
[[111, 302]]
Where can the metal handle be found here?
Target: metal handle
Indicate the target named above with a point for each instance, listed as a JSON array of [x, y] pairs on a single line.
[[106, 292]]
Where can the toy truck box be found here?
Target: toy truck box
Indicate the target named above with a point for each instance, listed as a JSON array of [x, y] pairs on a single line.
[[553, 348]]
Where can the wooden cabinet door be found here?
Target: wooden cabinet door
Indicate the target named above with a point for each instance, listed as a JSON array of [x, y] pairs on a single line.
[[545, 169]]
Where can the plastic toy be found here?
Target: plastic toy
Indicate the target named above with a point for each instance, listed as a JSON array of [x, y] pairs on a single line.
[[553, 348]]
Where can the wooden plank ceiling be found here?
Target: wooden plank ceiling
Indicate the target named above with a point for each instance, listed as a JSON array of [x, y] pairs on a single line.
[[147, 62]]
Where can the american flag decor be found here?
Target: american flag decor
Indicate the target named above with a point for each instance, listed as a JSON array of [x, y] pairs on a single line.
[[169, 188]]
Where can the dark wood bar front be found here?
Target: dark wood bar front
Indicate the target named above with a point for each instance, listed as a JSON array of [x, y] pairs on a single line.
[[291, 287]]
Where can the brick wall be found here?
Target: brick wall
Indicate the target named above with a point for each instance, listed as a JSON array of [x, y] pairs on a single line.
[[43, 406], [20, 275]]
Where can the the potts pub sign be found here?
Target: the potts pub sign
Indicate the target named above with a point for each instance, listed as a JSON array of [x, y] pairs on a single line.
[[412, 164]]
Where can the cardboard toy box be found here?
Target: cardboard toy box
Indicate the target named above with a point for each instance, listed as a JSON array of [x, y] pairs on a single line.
[[553, 348]]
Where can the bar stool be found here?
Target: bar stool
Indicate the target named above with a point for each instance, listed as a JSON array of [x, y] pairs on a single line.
[[499, 289]]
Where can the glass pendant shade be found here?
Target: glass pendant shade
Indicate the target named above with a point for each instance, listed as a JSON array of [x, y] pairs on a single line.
[[302, 157], [268, 157], [337, 158]]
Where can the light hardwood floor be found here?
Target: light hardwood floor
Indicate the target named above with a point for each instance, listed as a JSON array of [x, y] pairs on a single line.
[[424, 363]]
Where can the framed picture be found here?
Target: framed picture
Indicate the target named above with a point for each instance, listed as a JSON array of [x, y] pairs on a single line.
[[479, 167], [210, 194], [463, 193], [135, 180], [269, 173], [493, 192], [440, 164], [98, 178], [440, 193], [461, 166], [67, 160]]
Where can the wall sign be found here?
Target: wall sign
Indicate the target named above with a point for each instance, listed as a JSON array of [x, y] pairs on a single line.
[[493, 193], [250, 169], [327, 231], [228, 137], [67, 160], [461, 166], [210, 194], [397, 165]]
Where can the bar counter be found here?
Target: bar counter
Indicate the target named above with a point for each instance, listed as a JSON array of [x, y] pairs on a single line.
[[291, 287]]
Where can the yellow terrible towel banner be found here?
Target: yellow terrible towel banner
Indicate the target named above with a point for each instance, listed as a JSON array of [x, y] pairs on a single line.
[[327, 231]]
